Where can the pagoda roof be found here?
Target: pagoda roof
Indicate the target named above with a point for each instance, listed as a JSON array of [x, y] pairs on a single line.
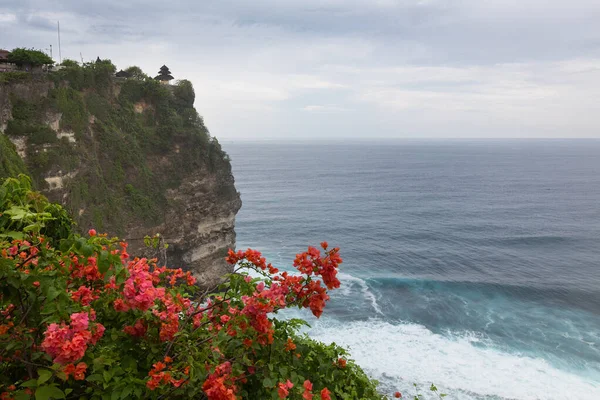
[[165, 77], [122, 74]]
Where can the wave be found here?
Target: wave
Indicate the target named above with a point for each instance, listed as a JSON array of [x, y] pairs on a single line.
[[346, 290], [588, 300], [400, 354]]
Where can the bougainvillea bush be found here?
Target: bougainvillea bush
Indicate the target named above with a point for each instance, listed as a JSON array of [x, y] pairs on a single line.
[[81, 318]]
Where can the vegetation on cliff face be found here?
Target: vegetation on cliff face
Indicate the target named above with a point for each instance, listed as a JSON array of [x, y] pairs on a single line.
[[10, 162], [121, 144], [79, 318]]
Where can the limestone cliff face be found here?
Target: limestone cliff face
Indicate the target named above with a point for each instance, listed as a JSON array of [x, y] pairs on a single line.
[[129, 158], [200, 226]]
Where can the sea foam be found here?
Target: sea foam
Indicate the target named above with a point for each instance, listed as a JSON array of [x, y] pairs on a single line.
[[401, 354]]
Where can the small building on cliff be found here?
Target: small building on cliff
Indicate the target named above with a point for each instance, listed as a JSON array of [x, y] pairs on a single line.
[[5, 65], [164, 75]]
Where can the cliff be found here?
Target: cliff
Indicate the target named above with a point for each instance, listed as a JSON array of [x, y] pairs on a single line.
[[130, 157]]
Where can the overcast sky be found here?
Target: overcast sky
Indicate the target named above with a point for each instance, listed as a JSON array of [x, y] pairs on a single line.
[[296, 69]]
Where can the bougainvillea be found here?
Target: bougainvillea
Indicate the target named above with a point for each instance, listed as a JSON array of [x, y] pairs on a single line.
[[81, 318]]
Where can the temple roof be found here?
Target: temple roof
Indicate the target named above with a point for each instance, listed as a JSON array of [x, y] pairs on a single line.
[[162, 77]]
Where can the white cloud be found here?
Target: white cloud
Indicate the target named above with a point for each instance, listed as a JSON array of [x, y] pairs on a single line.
[[6, 18]]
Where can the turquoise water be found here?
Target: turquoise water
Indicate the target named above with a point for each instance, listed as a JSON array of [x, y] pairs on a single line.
[[471, 264]]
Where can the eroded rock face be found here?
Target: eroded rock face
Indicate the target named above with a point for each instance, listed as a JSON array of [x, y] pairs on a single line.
[[199, 227]]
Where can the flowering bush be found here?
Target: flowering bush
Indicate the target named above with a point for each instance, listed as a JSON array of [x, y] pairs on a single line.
[[81, 318]]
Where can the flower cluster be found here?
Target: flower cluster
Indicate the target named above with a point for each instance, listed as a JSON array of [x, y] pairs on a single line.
[[220, 385], [68, 343], [78, 371], [161, 375]]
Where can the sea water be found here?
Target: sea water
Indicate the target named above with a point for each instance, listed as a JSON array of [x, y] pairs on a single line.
[[474, 265]]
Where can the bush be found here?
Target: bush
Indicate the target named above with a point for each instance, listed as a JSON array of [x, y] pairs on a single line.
[[11, 164], [69, 63], [70, 103], [79, 318], [14, 76], [184, 94], [22, 56]]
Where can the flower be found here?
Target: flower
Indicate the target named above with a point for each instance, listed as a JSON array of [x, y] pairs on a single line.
[[307, 395], [283, 389], [325, 394], [92, 232], [397, 395], [290, 346]]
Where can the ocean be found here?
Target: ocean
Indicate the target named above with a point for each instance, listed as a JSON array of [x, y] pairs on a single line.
[[474, 265]]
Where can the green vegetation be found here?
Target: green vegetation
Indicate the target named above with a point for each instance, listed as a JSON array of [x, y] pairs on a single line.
[[135, 138], [10, 162], [69, 63], [80, 319], [14, 76], [136, 73], [24, 57], [24, 212]]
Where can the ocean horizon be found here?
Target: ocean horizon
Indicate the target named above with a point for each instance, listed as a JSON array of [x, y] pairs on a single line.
[[470, 264]]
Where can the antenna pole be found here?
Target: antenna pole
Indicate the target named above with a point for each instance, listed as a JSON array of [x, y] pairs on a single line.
[[81, 55], [59, 53], [50, 51]]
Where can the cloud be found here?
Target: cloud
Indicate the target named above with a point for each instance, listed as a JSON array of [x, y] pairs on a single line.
[[273, 69], [327, 108]]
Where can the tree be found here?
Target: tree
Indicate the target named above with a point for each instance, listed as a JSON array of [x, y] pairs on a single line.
[[69, 63], [22, 56], [136, 72], [184, 94]]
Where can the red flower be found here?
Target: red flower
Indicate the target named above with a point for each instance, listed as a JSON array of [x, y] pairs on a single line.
[[325, 394], [307, 395], [342, 363], [397, 395], [283, 389], [80, 369], [290, 346], [92, 232]]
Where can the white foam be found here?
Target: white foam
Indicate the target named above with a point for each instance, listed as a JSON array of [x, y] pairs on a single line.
[[402, 354], [346, 289]]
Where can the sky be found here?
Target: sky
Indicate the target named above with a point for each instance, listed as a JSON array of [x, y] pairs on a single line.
[[343, 70]]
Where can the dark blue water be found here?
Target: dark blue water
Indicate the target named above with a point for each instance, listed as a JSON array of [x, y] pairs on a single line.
[[471, 264]]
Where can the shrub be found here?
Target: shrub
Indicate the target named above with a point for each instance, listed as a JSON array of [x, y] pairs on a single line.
[[11, 164], [14, 76], [69, 63], [80, 318], [22, 56]]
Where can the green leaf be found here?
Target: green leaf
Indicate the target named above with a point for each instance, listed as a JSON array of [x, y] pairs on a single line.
[[268, 382], [22, 396], [126, 392], [52, 293], [48, 392], [95, 378], [29, 383], [44, 376]]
